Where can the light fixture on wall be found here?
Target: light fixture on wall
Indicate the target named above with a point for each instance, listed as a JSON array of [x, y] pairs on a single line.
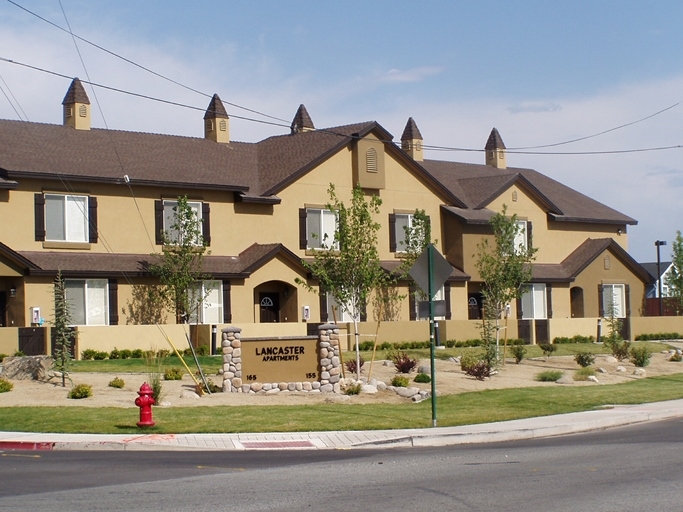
[[13, 291], [619, 231]]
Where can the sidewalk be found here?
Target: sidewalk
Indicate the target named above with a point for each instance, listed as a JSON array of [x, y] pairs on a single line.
[[530, 428]]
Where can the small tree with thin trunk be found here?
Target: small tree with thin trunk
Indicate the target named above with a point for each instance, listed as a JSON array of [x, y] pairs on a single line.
[[504, 267], [62, 331], [675, 278], [349, 267], [180, 264]]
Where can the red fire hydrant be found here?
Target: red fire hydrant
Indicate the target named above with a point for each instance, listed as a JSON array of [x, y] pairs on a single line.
[[145, 402]]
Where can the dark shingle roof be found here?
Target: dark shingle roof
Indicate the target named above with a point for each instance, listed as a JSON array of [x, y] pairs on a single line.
[[216, 109], [76, 94], [495, 141], [651, 268], [411, 131], [302, 121]]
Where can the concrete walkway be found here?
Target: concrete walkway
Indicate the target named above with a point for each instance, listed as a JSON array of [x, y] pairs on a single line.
[[530, 428]]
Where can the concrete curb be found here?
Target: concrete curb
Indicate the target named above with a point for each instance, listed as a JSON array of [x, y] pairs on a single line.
[[529, 428]]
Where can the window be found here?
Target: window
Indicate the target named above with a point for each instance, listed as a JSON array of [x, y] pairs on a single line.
[[320, 228], [88, 299], [534, 302], [339, 314], [66, 218], [521, 238], [404, 221], [614, 299], [208, 297], [421, 297], [164, 218]]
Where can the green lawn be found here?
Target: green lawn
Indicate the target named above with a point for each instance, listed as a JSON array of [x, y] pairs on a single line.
[[462, 409], [209, 364]]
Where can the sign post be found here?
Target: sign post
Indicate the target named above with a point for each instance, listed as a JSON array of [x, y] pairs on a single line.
[[430, 271]]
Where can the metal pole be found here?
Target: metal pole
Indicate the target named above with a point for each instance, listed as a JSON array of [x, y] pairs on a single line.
[[214, 331], [658, 244], [430, 264]]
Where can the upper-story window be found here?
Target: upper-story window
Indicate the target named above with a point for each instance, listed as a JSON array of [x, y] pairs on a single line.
[[65, 218], [404, 222], [166, 221], [521, 238], [317, 228]]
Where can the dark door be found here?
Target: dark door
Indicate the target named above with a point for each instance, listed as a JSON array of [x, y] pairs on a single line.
[[32, 341], [474, 306], [577, 302], [3, 309], [270, 307], [542, 331], [524, 330]]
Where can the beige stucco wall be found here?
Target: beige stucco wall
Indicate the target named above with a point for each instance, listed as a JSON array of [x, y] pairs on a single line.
[[568, 327], [9, 340], [145, 337], [655, 324]]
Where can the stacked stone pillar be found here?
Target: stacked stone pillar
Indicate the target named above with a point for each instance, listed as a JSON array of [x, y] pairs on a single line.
[[329, 365]]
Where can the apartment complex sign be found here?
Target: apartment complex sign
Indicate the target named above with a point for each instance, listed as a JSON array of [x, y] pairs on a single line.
[[280, 360]]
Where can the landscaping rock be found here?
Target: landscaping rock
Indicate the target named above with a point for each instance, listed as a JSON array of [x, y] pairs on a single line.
[[565, 379], [327, 388], [601, 370], [407, 392], [381, 386], [387, 363], [424, 369], [610, 359], [621, 369], [455, 360], [593, 378], [273, 391], [186, 393], [27, 367], [639, 372], [368, 389]]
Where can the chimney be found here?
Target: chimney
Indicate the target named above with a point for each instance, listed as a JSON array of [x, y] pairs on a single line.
[[411, 141], [76, 106], [216, 122], [302, 121], [495, 150]]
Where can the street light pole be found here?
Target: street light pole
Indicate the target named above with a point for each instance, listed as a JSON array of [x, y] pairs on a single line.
[[658, 244]]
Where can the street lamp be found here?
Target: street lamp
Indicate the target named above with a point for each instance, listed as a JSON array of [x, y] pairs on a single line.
[[658, 244]]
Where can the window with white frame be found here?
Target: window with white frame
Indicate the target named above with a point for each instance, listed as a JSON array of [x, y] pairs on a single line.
[[614, 300], [404, 222], [170, 209], [66, 218], [88, 300], [335, 312], [321, 225], [206, 302], [534, 302], [521, 238], [422, 297]]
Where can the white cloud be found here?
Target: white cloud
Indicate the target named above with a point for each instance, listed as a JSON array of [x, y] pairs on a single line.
[[417, 74]]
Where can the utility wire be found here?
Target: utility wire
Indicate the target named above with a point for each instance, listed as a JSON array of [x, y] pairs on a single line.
[[140, 66]]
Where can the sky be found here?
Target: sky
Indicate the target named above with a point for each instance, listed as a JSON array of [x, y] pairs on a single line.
[[541, 72]]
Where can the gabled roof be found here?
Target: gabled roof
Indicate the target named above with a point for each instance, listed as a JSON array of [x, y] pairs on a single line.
[[477, 185], [581, 257], [651, 268]]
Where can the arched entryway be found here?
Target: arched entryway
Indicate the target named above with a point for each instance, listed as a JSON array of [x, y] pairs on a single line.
[[576, 294], [275, 301]]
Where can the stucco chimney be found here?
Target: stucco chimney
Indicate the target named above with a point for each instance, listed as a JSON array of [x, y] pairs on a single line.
[[495, 150], [76, 106], [411, 141], [217, 121]]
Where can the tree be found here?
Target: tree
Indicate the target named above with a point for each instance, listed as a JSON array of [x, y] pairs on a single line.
[[62, 331], [504, 267], [675, 278], [180, 266], [349, 269]]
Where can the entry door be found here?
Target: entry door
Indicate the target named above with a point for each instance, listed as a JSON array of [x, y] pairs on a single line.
[[270, 307], [474, 301]]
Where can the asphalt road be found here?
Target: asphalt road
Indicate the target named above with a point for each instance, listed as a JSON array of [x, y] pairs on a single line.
[[628, 469]]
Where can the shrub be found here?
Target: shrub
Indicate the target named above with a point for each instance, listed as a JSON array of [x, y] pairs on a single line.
[[115, 354], [5, 386], [659, 336], [173, 374], [400, 381], [187, 352], [88, 354], [619, 348], [402, 362], [584, 373], [584, 359], [161, 353], [547, 349], [365, 346], [519, 351], [126, 354], [202, 350], [81, 391], [516, 341], [549, 376], [116, 383], [640, 356], [100, 355], [574, 339], [422, 378], [19, 353], [467, 359], [353, 389], [479, 370], [137, 353], [2, 357], [386, 346], [350, 365], [676, 357], [212, 388]]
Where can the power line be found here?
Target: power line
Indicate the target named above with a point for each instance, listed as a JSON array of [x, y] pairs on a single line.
[[129, 61]]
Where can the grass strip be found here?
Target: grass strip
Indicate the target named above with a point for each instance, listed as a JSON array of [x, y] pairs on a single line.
[[462, 409], [209, 364]]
